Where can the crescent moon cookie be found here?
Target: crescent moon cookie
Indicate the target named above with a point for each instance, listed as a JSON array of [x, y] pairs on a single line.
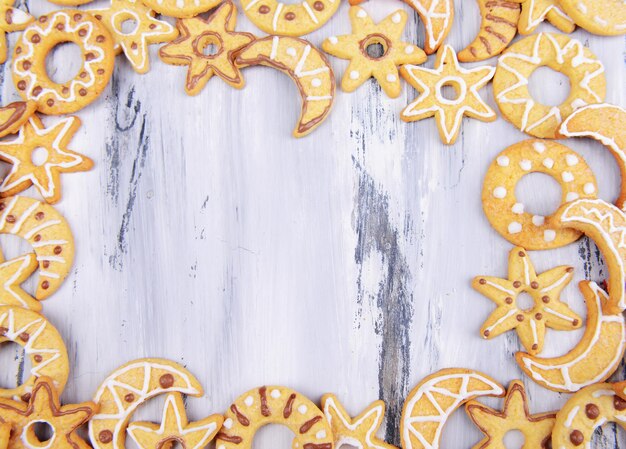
[[13, 273], [47, 232], [536, 11], [197, 34], [29, 61], [43, 345], [289, 19], [274, 405], [39, 155], [130, 386], [544, 289], [431, 102], [306, 66], [44, 407], [367, 36], [134, 43], [181, 9], [11, 19], [360, 431], [560, 53], [605, 123], [495, 424], [429, 405], [604, 17], [497, 29], [507, 215], [14, 115]]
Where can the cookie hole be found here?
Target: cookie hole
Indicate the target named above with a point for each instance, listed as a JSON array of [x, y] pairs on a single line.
[[549, 87], [540, 194], [39, 156], [128, 26], [43, 431], [15, 365], [208, 45], [513, 439], [525, 302], [451, 90], [64, 62], [273, 436], [375, 46]]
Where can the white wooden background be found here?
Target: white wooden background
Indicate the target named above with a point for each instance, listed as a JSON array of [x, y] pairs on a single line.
[[340, 262]]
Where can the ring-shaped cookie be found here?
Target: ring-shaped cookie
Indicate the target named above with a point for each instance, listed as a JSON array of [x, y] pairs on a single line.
[[274, 405], [560, 53], [42, 343], [506, 214], [289, 19], [29, 61]]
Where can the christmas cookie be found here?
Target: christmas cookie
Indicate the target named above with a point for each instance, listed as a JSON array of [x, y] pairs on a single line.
[[274, 405], [49, 235], [14, 115], [429, 405], [495, 424], [544, 289], [11, 19], [431, 102], [39, 155], [536, 11], [181, 8], [196, 34], [604, 17], [287, 18], [29, 61], [147, 30], [5, 433], [44, 407], [42, 344], [365, 38], [497, 29], [508, 216], [13, 273], [560, 53], [127, 388], [306, 66]]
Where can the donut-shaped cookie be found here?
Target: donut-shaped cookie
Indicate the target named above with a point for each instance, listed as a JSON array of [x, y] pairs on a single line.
[[43, 345], [604, 17], [29, 61], [560, 53], [274, 405], [181, 9], [289, 19], [506, 214]]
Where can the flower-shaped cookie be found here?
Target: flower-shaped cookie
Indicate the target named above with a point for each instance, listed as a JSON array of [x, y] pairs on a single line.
[[547, 309], [360, 48], [11, 19]]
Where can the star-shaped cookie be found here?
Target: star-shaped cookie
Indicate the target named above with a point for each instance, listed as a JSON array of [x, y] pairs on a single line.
[[12, 274], [11, 19], [432, 102], [360, 46], [39, 155], [175, 427], [143, 29], [359, 432], [536, 11], [544, 289], [43, 407], [494, 424], [196, 36]]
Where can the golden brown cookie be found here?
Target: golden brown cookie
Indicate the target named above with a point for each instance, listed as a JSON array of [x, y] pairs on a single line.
[[181, 8], [11, 19], [289, 18], [14, 272], [14, 115], [5, 433], [536, 11], [604, 17]]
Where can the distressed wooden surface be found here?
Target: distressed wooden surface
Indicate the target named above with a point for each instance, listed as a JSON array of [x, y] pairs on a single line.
[[340, 262]]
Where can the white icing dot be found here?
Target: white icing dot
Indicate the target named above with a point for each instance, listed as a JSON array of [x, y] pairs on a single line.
[[539, 147], [589, 188], [354, 75], [291, 51], [316, 82], [228, 423], [362, 14], [503, 161], [392, 78], [221, 446], [249, 401], [333, 40], [499, 192], [396, 18], [539, 220], [571, 196], [514, 227], [409, 49], [518, 208], [320, 435], [549, 235], [275, 394], [548, 163], [525, 164], [571, 160], [302, 409], [567, 176]]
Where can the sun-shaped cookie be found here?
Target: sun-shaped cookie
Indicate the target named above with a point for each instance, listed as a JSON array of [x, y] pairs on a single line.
[[134, 27], [196, 36], [495, 424], [11, 19], [536, 11], [544, 289], [13, 273], [432, 102], [374, 50]]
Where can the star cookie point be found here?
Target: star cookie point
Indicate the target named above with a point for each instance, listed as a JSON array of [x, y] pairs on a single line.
[[13, 273]]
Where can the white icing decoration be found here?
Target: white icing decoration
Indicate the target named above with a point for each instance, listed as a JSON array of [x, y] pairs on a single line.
[[548, 163], [392, 78], [567, 176], [409, 49], [499, 192], [549, 235], [571, 196], [518, 208], [249, 401], [538, 220], [525, 164], [354, 75], [514, 227], [503, 161], [589, 188], [361, 14], [539, 147], [571, 160]]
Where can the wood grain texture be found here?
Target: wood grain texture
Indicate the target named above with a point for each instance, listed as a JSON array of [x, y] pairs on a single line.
[[340, 262]]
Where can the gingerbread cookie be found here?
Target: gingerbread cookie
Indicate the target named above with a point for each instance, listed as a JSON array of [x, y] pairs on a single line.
[[507, 215], [605, 123], [431, 102], [289, 19], [39, 155], [536, 11], [11, 19], [47, 232], [274, 405], [360, 431], [13, 273], [545, 290], [604, 17], [560, 53], [366, 36], [498, 27], [306, 66], [181, 9], [29, 61], [44, 407], [42, 343], [495, 424], [14, 115], [196, 34], [147, 30], [429, 405], [175, 427], [126, 389]]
